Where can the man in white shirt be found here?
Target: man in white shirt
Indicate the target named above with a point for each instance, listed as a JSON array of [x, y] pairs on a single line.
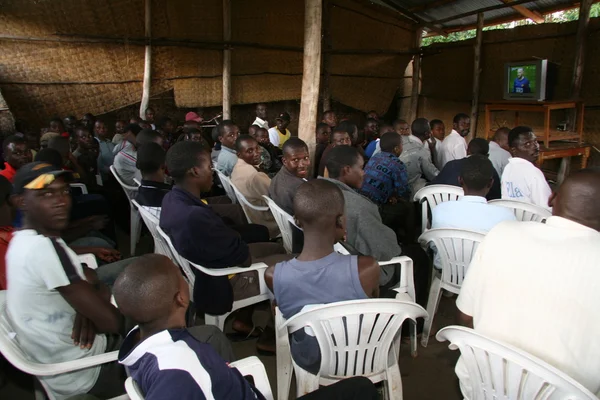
[[58, 308], [438, 133], [454, 146], [522, 180], [471, 211], [535, 286], [499, 154], [261, 116]]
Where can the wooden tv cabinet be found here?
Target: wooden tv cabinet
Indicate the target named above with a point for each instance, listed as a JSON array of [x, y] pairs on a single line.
[[548, 133]]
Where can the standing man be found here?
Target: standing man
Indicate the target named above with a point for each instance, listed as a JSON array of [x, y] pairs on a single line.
[[261, 116], [149, 117], [228, 133], [417, 159], [454, 146], [438, 132], [16, 154], [340, 137], [296, 163], [499, 150], [371, 130], [322, 137], [522, 180], [279, 134]]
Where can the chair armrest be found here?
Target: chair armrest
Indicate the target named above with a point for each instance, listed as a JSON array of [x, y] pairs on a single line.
[[407, 283], [89, 259], [38, 369], [229, 271]]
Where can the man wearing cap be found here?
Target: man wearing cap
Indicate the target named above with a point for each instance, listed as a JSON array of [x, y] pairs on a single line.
[[279, 134], [192, 116], [59, 308]]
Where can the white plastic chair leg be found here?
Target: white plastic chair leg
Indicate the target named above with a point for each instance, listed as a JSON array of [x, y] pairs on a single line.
[[285, 368], [413, 339], [38, 390], [135, 230], [393, 384], [305, 382], [432, 303], [216, 320]]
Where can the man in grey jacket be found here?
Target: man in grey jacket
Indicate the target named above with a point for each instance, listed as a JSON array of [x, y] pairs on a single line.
[[366, 233]]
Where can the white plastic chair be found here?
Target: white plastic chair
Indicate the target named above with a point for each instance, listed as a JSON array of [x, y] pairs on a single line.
[[245, 203], [285, 222], [500, 371], [177, 259], [524, 211], [456, 248], [248, 366], [226, 183], [434, 195], [219, 320], [150, 216], [356, 338], [10, 349], [135, 220], [80, 186]]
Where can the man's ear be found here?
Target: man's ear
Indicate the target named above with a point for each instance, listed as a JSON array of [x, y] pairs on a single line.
[[18, 201], [345, 170], [297, 222], [552, 199], [339, 223], [180, 300]]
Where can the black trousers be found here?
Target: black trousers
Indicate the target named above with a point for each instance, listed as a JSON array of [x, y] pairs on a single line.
[[357, 388]]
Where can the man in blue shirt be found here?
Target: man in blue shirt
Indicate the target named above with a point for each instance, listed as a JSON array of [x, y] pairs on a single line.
[[521, 83]]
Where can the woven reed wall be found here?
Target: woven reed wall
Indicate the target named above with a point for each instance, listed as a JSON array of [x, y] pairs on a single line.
[[41, 79], [448, 75]]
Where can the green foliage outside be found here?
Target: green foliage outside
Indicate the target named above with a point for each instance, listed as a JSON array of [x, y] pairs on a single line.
[[559, 17]]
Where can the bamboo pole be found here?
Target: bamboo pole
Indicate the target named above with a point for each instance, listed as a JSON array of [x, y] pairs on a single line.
[[313, 11], [416, 78], [476, 75], [227, 60], [147, 61], [584, 20], [326, 92]]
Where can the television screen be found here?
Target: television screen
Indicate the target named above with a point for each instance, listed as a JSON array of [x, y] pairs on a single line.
[[523, 79]]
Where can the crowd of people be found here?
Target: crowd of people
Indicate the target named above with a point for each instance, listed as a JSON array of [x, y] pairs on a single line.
[[530, 284]]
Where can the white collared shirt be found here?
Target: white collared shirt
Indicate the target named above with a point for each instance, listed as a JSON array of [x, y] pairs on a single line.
[[523, 181], [499, 157], [438, 152], [261, 122], [454, 147], [537, 287]]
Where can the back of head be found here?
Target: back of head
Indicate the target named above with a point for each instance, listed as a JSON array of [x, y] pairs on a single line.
[[293, 144], [340, 157], [221, 127], [515, 134], [146, 136], [317, 203], [479, 146], [577, 198], [50, 156], [146, 289], [241, 139], [501, 134], [459, 117], [150, 158], [390, 140], [60, 144], [321, 125], [183, 156], [477, 172], [420, 127], [347, 126]]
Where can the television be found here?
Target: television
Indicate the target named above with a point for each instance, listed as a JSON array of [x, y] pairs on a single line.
[[527, 80]]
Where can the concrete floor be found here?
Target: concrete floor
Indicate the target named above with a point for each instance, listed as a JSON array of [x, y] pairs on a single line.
[[429, 376]]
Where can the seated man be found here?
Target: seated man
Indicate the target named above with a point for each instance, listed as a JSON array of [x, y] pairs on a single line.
[[374, 147], [228, 133], [106, 148], [366, 233], [339, 138], [534, 286], [271, 163], [86, 156], [296, 163], [45, 278], [319, 275], [164, 358], [386, 185], [151, 164], [371, 130], [499, 150], [279, 134], [322, 137], [252, 183], [16, 154], [419, 166], [522, 180], [126, 159], [201, 236], [450, 174]]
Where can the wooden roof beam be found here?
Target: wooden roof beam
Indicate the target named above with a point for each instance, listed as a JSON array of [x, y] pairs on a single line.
[[481, 10], [527, 13], [438, 3]]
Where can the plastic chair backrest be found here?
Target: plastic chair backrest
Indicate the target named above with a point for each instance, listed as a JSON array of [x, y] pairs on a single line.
[[226, 183], [129, 190], [285, 222], [80, 186], [133, 391], [436, 194], [355, 336], [245, 203], [524, 211], [501, 371], [151, 216], [456, 248], [176, 258]]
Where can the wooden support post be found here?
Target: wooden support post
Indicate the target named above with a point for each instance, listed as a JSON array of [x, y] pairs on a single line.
[[584, 20], [311, 74], [147, 61], [416, 77], [227, 60], [476, 74], [326, 65]]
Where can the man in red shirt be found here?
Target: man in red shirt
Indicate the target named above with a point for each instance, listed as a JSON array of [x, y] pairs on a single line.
[[16, 154]]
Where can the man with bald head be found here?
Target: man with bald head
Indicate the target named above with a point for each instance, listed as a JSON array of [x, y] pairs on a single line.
[[535, 286], [499, 150]]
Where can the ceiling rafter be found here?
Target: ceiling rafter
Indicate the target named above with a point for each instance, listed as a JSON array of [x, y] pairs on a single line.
[[527, 13], [414, 17]]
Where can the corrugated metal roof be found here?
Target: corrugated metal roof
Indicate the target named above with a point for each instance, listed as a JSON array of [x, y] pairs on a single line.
[[443, 10]]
